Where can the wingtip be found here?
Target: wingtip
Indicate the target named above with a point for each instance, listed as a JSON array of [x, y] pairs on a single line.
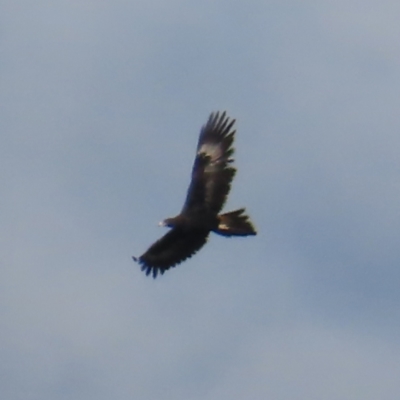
[[149, 271]]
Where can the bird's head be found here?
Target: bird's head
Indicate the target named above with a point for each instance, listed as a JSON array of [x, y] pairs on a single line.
[[168, 222]]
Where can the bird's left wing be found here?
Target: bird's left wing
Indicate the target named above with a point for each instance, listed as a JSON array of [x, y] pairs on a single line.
[[174, 247]]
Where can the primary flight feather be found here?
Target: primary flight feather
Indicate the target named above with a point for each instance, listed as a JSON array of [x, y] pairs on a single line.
[[212, 175]]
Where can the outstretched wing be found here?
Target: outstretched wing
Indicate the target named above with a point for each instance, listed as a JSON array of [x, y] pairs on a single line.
[[173, 248], [212, 172]]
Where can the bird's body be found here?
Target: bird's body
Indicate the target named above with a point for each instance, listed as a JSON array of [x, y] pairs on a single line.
[[212, 175]]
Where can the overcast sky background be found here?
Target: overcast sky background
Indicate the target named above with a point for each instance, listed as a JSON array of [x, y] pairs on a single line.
[[101, 103]]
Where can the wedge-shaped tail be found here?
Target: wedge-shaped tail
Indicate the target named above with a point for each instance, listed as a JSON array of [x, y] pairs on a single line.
[[235, 223]]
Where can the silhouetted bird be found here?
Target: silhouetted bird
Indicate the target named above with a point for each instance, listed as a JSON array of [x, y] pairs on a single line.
[[212, 175]]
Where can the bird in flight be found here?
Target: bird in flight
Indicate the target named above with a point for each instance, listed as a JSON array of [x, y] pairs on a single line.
[[212, 175]]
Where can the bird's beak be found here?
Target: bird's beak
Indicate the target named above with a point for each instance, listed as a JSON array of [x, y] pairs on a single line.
[[161, 223]]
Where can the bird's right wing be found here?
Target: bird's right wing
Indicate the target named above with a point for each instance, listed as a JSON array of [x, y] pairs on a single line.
[[173, 248], [212, 172]]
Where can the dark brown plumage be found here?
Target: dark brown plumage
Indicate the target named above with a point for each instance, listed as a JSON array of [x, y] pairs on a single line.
[[212, 175]]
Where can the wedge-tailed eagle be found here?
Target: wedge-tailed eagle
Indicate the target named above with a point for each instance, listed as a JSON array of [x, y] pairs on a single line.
[[212, 175]]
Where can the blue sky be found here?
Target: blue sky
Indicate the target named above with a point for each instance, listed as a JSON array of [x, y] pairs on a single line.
[[101, 103]]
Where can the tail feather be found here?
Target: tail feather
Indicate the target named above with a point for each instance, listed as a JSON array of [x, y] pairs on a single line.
[[235, 223]]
